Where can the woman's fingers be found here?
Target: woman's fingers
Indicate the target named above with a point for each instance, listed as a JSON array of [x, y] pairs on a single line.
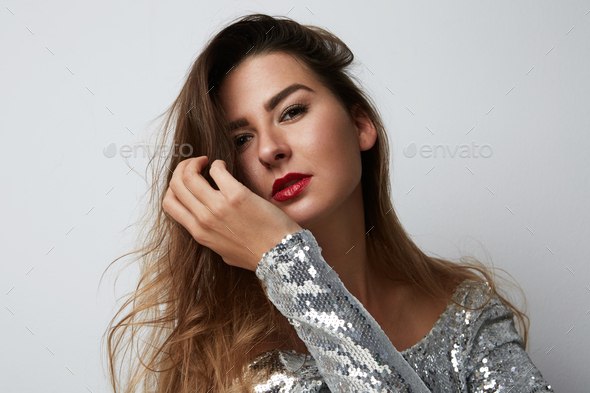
[[228, 185], [192, 178], [197, 196], [178, 211], [231, 221]]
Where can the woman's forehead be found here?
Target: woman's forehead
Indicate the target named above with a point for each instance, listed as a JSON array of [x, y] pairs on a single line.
[[262, 76]]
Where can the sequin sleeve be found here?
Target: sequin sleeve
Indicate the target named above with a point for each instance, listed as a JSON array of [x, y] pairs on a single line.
[[496, 360], [351, 351]]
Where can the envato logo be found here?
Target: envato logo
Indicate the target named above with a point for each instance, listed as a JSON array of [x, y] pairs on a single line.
[[463, 151], [127, 151]]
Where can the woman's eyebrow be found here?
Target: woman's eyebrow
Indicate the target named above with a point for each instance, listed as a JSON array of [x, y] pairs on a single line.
[[272, 103]]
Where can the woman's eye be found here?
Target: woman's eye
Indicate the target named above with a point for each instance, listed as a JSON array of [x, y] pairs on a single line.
[[240, 137], [294, 111]]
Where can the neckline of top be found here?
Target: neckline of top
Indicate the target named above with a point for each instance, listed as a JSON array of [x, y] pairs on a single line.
[[435, 328]]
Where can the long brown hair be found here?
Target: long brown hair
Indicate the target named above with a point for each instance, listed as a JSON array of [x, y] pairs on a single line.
[[192, 321]]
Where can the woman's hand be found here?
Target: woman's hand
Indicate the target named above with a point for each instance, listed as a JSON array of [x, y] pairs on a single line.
[[234, 222]]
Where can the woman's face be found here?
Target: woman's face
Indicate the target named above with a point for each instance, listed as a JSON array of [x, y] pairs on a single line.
[[307, 131]]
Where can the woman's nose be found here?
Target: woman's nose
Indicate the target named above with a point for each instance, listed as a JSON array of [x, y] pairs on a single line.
[[272, 145]]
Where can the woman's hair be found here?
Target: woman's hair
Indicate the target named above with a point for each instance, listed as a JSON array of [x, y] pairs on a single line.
[[192, 321]]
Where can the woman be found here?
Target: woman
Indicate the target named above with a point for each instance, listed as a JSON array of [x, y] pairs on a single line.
[[276, 261]]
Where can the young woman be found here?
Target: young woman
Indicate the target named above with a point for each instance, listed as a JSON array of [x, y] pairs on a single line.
[[275, 260]]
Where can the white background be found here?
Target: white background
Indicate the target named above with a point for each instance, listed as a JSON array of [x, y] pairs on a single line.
[[77, 76]]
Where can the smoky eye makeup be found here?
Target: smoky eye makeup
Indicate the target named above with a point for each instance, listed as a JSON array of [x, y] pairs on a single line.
[[298, 109], [293, 111]]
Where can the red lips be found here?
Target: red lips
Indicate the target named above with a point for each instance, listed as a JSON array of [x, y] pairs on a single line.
[[276, 187]]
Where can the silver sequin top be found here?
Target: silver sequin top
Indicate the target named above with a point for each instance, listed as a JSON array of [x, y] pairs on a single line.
[[466, 351]]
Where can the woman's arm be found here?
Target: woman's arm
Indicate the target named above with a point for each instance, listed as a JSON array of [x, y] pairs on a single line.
[[351, 350]]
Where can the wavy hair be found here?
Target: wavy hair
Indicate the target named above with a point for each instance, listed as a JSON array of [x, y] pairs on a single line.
[[192, 322]]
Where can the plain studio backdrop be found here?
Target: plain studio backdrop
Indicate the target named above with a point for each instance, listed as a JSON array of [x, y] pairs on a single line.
[[486, 106]]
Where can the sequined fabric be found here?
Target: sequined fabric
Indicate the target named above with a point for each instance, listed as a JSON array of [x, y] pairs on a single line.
[[466, 351]]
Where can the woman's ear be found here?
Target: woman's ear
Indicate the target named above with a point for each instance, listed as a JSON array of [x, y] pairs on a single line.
[[366, 131]]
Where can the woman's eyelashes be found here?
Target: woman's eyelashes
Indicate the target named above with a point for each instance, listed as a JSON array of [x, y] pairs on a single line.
[[293, 112], [298, 108]]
